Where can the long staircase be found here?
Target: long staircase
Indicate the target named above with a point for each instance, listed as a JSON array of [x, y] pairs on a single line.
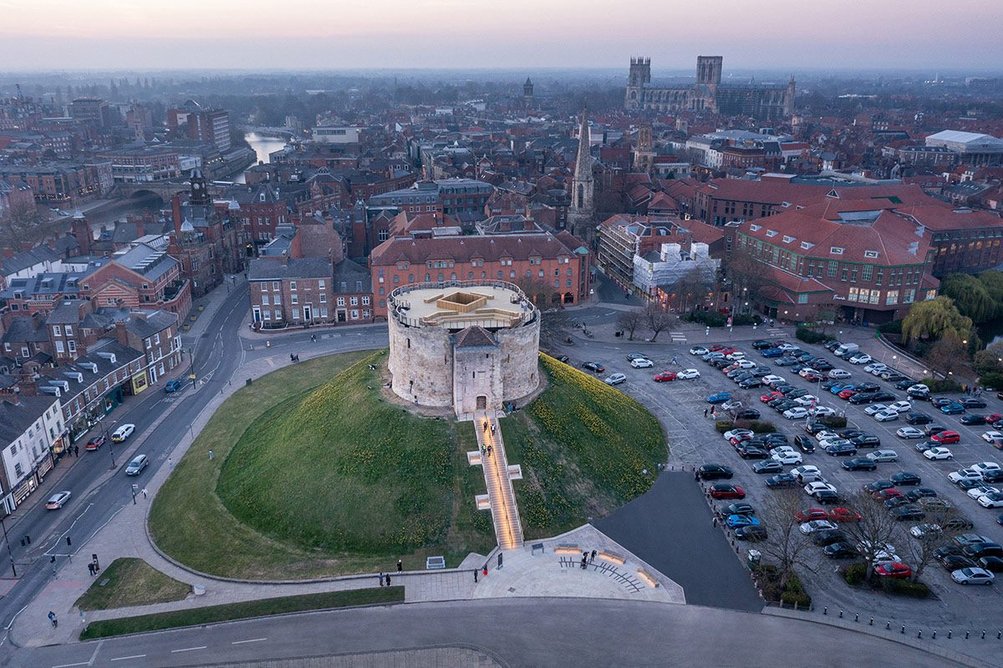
[[504, 511]]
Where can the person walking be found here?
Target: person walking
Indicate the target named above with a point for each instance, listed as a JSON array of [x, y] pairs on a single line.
[[400, 565], [705, 412], [144, 493], [388, 579], [592, 557], [381, 578], [52, 619]]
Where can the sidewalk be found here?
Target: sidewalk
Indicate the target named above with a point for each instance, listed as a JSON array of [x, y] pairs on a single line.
[[524, 572]]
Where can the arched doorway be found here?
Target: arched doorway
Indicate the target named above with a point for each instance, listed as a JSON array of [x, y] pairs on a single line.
[[482, 402], [569, 298]]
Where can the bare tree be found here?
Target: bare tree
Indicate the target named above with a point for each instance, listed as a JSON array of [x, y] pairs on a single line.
[[22, 223], [747, 274], [690, 289], [658, 318], [874, 531], [787, 545], [937, 532], [554, 325], [629, 321]]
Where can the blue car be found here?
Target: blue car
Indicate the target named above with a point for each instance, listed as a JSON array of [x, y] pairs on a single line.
[[719, 398], [953, 408], [771, 352], [735, 521], [173, 385], [837, 388]]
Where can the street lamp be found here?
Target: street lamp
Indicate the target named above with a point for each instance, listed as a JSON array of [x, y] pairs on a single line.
[[7, 541], [191, 366], [111, 443]]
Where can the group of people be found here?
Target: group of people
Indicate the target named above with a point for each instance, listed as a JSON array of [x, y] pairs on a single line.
[[972, 391]]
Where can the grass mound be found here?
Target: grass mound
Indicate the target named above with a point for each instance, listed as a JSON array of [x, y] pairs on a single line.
[[127, 582], [337, 468]]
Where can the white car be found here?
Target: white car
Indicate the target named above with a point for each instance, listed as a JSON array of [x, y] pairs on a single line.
[[615, 379], [796, 413], [122, 433], [641, 363], [738, 433], [839, 374], [731, 405], [772, 380], [814, 488], [964, 475], [909, 432], [875, 408], [816, 525], [883, 456], [900, 407], [924, 530], [982, 468], [992, 437], [919, 387], [991, 500], [687, 374], [746, 364], [737, 355], [982, 490], [826, 436], [788, 457], [698, 350], [875, 368], [886, 416], [860, 358], [806, 400], [938, 454], [967, 576], [788, 347], [807, 473], [822, 411]]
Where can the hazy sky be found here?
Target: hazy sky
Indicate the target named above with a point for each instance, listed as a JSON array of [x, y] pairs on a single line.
[[335, 34]]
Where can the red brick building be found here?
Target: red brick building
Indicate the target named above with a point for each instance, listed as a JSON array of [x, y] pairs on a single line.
[[551, 269]]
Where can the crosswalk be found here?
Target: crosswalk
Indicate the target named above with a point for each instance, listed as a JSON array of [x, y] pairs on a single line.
[[678, 337], [775, 331]]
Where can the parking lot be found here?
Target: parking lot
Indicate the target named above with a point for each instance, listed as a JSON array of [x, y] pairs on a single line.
[[693, 441]]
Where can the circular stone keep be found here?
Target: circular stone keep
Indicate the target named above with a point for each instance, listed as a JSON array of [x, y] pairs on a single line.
[[472, 346]]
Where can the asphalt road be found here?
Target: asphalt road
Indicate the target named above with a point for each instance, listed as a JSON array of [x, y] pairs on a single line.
[[516, 632]]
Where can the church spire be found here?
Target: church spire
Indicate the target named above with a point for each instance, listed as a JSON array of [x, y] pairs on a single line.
[[582, 208]]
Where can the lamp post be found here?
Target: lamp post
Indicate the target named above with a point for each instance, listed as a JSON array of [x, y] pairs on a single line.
[[191, 366], [7, 541], [111, 443]]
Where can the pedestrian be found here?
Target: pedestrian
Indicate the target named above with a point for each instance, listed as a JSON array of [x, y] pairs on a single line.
[[585, 562], [490, 448], [90, 568], [381, 578], [592, 557], [76, 450], [705, 412], [170, 462], [400, 565], [388, 579], [52, 618], [475, 576], [212, 455], [144, 493], [696, 475], [714, 522], [493, 428], [675, 360]]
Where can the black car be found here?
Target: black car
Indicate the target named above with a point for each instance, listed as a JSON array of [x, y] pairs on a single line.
[[840, 550], [863, 398], [804, 443], [991, 564], [736, 508], [860, 464], [978, 550], [877, 486], [904, 384], [906, 478], [761, 344], [953, 562], [746, 451], [815, 427], [896, 377], [908, 512], [827, 497], [973, 402], [945, 551], [821, 365], [866, 441], [934, 429], [750, 533], [768, 466], [991, 477], [918, 418], [781, 480], [783, 388], [714, 472], [786, 361], [896, 501], [828, 536], [796, 393], [973, 419], [750, 383], [593, 366], [920, 493], [849, 432], [786, 404], [868, 387], [829, 384], [884, 396], [774, 437], [841, 450]]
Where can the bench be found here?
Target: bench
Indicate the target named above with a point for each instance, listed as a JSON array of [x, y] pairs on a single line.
[[567, 549], [611, 557]]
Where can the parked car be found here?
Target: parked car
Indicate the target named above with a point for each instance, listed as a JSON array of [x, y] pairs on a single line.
[[781, 480], [751, 533], [938, 454], [946, 437], [967, 576], [595, 367], [95, 443], [615, 379], [174, 385], [883, 456], [664, 376], [736, 508], [860, 464], [768, 466], [893, 569], [726, 491], [687, 374], [909, 432], [714, 472], [840, 550], [719, 398], [906, 478], [58, 500]]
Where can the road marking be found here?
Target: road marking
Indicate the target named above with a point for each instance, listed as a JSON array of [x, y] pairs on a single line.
[[241, 642], [70, 665], [188, 649], [126, 658]]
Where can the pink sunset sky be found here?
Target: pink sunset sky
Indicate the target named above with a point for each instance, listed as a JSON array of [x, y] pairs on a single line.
[[335, 34]]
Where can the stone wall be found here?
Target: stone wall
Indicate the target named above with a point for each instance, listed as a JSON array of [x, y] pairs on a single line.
[[476, 373], [520, 349], [421, 364]]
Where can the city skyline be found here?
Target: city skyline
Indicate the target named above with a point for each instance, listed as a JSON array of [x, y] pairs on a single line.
[[456, 34]]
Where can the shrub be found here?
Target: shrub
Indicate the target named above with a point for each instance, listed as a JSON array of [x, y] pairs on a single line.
[[893, 327], [709, 318], [792, 593], [992, 380], [724, 425], [905, 588], [744, 319], [811, 336], [854, 574], [835, 421], [759, 426], [941, 384]]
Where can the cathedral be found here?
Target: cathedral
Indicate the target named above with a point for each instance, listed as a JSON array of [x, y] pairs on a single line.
[[767, 102]]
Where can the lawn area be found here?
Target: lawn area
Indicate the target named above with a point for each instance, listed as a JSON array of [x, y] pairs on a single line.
[[583, 446], [315, 474], [245, 610], [127, 582]]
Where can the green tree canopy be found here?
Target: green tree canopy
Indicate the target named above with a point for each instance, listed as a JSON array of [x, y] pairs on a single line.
[[971, 297], [935, 319]]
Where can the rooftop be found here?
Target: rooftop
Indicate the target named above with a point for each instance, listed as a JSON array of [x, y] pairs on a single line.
[[461, 305]]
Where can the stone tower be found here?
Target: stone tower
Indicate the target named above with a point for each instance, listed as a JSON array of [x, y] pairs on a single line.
[[644, 154], [580, 215], [199, 192], [527, 92], [709, 70], [789, 98], [640, 74], [81, 229]]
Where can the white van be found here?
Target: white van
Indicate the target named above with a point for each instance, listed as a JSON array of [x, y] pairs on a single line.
[[846, 350]]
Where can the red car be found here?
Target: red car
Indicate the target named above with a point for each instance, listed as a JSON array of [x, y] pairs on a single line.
[[885, 494], [841, 514], [664, 376], [717, 347], [735, 440], [770, 396], [893, 569], [727, 351], [95, 443], [946, 437], [994, 418], [846, 394], [810, 514], [726, 491]]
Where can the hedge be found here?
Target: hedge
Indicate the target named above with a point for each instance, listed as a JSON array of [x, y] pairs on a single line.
[[941, 384], [792, 593], [834, 421], [905, 588], [993, 380], [811, 336], [709, 318]]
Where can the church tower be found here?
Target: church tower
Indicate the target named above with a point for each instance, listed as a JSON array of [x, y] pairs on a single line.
[[789, 94], [644, 152], [199, 192], [639, 76], [581, 213], [527, 93]]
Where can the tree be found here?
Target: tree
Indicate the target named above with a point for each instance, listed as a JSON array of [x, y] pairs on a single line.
[[921, 550], [947, 354], [971, 297], [629, 321], [931, 320], [747, 274], [787, 545], [874, 531], [22, 223], [690, 288], [658, 318], [989, 360]]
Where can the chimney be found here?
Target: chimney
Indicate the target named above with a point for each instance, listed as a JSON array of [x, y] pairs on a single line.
[[121, 334]]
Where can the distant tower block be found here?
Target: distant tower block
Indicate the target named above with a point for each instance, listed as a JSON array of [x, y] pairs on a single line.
[[472, 346]]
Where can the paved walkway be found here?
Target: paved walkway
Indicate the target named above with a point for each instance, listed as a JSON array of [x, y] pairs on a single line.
[[498, 481]]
